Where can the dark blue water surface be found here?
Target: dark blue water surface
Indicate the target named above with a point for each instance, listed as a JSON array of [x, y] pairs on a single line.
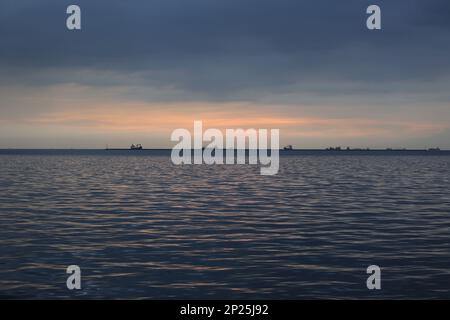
[[141, 227]]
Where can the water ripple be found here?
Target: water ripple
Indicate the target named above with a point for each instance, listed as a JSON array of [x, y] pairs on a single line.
[[140, 227]]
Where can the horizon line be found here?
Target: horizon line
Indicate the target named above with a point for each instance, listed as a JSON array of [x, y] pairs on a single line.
[[281, 149]]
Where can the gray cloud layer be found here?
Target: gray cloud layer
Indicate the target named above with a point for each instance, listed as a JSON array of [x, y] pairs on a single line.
[[234, 49]]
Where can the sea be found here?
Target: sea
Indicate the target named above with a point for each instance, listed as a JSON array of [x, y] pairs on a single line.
[[140, 227]]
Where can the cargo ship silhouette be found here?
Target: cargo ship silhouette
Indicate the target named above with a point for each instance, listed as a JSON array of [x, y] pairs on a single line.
[[136, 147]]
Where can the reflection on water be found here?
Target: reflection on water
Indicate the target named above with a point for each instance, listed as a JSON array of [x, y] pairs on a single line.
[[140, 227]]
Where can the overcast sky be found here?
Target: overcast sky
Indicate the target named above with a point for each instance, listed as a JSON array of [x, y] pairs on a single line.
[[139, 69]]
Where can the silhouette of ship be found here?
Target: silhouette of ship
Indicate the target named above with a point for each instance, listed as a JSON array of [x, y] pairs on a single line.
[[288, 148], [136, 147]]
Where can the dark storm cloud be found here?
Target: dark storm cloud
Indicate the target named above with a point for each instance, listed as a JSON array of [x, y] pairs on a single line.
[[233, 49]]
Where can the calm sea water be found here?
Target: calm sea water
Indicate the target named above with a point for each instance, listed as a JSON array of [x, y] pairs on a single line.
[[140, 227]]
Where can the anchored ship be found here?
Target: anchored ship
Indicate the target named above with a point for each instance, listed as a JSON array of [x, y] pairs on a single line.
[[136, 147]]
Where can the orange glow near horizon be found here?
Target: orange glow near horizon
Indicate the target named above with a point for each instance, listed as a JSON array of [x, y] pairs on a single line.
[[162, 119]]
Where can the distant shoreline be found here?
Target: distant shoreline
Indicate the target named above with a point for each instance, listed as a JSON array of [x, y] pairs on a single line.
[[169, 149]]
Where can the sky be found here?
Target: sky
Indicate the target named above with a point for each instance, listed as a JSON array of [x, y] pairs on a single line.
[[139, 69]]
